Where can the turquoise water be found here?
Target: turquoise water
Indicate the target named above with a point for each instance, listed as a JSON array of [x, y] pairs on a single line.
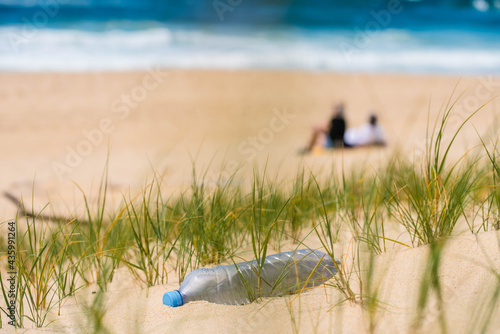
[[451, 37]]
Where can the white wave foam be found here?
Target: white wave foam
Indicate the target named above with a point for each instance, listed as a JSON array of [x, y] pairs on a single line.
[[74, 49]]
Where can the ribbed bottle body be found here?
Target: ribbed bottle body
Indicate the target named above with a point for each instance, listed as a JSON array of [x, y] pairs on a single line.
[[280, 274]]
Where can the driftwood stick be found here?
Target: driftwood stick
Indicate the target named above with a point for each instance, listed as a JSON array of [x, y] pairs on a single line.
[[22, 211]]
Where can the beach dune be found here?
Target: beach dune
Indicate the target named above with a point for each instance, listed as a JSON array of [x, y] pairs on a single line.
[[60, 130]]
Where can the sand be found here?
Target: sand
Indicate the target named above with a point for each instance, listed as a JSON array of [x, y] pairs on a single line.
[[465, 275], [223, 121]]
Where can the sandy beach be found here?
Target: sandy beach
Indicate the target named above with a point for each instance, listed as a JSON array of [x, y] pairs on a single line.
[[58, 129]]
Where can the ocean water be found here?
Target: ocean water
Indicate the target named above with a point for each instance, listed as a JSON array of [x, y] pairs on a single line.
[[448, 36]]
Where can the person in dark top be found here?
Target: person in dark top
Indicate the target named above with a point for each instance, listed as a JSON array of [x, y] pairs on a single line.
[[337, 129], [332, 133]]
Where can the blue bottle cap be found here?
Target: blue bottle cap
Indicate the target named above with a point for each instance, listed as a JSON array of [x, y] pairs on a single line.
[[173, 298]]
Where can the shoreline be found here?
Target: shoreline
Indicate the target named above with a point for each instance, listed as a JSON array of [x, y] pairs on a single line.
[[258, 70]]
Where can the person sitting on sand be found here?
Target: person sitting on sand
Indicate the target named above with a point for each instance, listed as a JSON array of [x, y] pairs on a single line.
[[368, 134], [332, 133]]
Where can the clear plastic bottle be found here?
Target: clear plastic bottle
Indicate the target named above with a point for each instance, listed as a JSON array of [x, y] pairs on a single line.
[[238, 284]]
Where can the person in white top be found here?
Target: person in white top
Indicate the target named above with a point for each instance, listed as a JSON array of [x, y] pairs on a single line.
[[370, 133]]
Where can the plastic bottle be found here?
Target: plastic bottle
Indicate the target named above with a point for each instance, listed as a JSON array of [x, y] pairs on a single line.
[[238, 284]]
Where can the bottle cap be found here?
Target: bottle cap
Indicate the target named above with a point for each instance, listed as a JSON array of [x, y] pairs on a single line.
[[173, 298]]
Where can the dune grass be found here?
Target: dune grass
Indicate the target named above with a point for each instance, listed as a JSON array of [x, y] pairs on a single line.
[[208, 224]]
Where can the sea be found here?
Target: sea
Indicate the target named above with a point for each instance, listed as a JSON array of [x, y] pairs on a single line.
[[369, 36]]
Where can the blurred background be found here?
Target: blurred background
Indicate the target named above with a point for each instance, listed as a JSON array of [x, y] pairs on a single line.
[[426, 36], [190, 82]]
